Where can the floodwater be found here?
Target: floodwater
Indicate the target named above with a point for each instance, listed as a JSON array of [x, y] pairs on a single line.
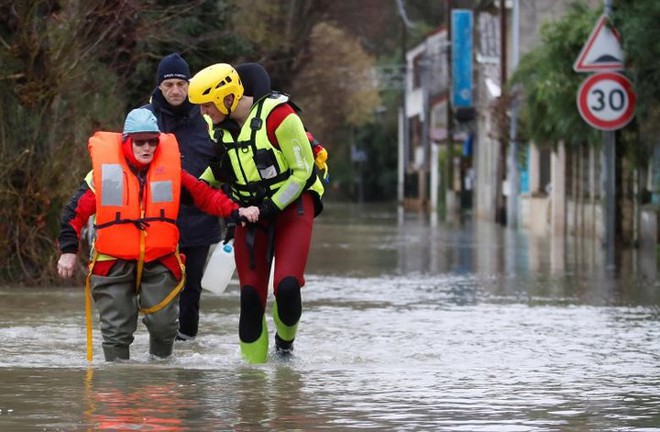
[[408, 324]]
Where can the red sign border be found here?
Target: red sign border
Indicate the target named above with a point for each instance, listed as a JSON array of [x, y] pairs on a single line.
[[583, 106]]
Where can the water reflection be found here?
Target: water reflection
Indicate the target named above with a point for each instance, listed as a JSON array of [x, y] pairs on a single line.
[[271, 399], [148, 397], [117, 399]]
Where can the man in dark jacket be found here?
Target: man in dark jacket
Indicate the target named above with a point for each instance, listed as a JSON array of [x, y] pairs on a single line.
[[175, 114]]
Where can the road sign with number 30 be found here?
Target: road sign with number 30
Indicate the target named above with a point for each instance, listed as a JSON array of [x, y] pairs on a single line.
[[606, 101]]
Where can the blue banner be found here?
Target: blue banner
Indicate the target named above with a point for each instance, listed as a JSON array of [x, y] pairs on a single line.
[[461, 68]]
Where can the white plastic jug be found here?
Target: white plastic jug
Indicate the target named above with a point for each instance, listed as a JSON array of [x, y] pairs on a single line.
[[219, 268]]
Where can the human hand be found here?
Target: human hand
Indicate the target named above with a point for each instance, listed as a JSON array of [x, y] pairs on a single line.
[[250, 213], [66, 265]]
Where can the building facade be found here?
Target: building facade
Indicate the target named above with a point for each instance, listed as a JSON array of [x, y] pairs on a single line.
[[554, 192]]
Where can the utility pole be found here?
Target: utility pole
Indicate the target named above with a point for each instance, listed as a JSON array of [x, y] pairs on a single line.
[[425, 69], [500, 205], [403, 154], [514, 182], [449, 198]]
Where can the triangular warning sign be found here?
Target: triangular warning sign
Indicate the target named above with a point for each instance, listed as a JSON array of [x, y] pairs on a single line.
[[603, 51]]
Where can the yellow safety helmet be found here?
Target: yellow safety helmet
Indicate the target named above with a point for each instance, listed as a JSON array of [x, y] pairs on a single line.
[[213, 83]]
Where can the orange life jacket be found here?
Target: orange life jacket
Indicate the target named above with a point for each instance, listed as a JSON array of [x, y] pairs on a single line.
[[132, 224]]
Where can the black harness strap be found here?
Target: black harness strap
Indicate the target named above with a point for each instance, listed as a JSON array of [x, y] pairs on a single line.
[[237, 145], [270, 247], [301, 208], [254, 186], [249, 242], [255, 125], [141, 223]]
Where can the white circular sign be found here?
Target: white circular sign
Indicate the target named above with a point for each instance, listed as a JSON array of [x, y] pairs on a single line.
[[606, 101]]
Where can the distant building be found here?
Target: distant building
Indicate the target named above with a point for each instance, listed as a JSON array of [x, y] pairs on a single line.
[[426, 120]]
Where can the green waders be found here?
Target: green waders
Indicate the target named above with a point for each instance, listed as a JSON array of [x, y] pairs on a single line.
[[118, 304]]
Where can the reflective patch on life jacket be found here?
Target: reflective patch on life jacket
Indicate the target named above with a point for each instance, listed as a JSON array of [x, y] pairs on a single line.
[[161, 191], [112, 178]]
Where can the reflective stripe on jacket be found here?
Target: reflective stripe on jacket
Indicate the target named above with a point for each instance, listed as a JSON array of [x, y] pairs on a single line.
[[134, 221]]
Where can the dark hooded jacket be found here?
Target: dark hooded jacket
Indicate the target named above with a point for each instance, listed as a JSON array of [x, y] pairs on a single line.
[[191, 131]]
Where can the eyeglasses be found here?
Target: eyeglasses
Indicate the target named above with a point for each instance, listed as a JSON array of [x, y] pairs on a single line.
[[151, 142]]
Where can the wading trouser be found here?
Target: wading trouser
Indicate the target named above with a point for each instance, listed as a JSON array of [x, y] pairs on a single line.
[[118, 304]]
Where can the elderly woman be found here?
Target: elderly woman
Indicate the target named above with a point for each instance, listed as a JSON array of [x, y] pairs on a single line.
[[134, 190]]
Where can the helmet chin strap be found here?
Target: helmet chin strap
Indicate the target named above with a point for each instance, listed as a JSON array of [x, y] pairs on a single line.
[[235, 101]]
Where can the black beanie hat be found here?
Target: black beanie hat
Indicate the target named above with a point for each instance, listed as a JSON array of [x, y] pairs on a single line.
[[172, 66]]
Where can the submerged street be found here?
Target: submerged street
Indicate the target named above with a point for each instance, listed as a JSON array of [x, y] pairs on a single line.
[[408, 324]]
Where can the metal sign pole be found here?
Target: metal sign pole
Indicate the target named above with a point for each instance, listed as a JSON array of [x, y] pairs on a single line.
[[609, 191], [609, 183]]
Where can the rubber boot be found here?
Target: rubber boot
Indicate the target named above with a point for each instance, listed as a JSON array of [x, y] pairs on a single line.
[[285, 334], [113, 353], [160, 348], [257, 351], [182, 337], [282, 347]]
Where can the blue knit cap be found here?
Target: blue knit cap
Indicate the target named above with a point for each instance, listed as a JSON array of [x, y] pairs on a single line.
[[172, 66], [140, 120]]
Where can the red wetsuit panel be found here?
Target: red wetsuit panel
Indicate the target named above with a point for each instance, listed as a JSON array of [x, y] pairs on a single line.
[[275, 118], [293, 234]]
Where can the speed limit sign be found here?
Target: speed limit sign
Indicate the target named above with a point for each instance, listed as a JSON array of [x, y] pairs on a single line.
[[606, 101]]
